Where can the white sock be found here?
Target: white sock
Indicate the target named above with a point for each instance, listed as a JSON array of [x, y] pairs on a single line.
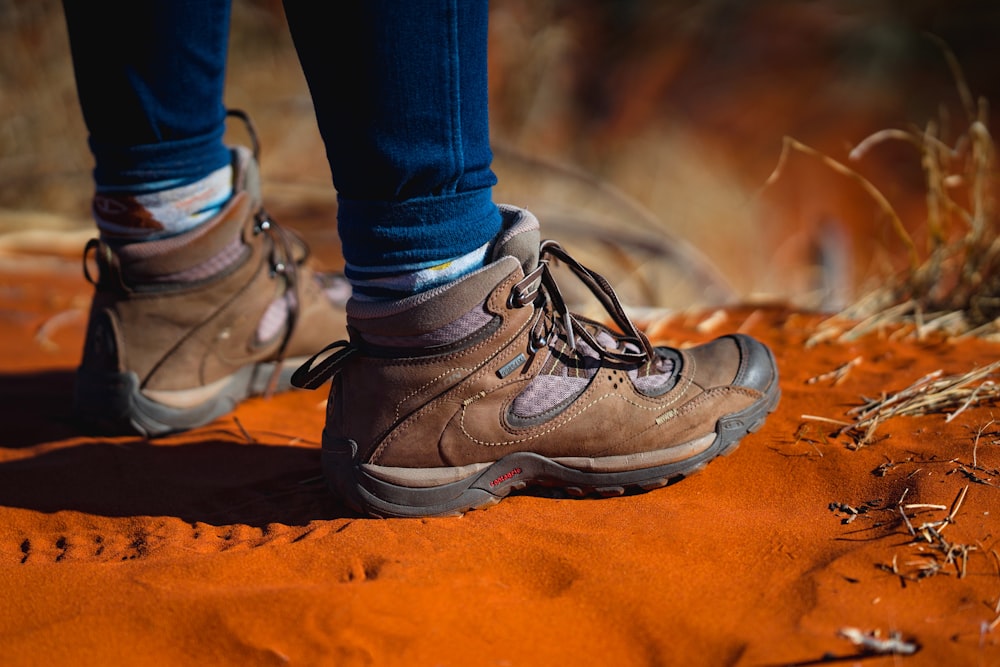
[[160, 210], [389, 283]]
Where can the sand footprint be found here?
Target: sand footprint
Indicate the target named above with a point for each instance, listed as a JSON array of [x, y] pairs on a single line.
[[135, 538]]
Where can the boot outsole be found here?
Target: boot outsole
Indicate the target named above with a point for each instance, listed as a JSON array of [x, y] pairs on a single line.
[[115, 403], [516, 472]]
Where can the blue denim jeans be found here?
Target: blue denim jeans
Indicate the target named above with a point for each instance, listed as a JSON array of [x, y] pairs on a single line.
[[399, 89]]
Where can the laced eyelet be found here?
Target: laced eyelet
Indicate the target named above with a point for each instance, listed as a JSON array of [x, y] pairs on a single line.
[[514, 300], [93, 245], [263, 225]]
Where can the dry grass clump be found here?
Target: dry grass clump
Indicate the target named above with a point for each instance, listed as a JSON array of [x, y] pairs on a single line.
[[935, 393], [951, 283], [932, 394]]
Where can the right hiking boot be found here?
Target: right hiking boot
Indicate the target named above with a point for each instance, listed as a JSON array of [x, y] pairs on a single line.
[[451, 399], [184, 328]]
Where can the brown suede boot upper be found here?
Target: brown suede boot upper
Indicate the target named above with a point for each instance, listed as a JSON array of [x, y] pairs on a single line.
[[452, 406], [183, 335]]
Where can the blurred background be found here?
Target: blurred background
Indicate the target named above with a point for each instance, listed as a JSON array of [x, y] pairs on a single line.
[[642, 132]]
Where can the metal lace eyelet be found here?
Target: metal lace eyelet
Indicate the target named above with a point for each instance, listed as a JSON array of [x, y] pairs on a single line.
[[278, 269], [535, 344], [262, 226]]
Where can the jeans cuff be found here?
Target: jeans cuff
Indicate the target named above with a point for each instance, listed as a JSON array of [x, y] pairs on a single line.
[[428, 229]]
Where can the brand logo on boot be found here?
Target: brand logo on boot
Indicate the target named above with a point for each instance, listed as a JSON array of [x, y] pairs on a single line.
[[504, 477], [511, 365]]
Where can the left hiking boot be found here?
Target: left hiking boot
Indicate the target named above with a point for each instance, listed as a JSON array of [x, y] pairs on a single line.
[[451, 399], [182, 329]]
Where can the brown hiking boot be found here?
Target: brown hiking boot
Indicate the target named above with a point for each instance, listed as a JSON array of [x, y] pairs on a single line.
[[184, 328], [451, 399]]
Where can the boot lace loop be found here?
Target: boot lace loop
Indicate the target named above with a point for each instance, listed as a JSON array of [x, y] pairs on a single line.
[[541, 289], [286, 253]]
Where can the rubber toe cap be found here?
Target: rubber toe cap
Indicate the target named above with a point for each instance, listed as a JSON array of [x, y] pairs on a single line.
[[757, 369]]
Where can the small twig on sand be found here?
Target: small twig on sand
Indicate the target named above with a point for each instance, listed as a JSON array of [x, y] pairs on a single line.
[[45, 331], [246, 433], [838, 374], [975, 443], [955, 506], [817, 418], [872, 642]]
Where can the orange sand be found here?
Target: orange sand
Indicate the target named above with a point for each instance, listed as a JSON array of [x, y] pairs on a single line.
[[222, 546]]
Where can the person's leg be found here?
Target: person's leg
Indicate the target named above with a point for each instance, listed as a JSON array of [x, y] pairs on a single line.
[[453, 392], [150, 78], [400, 94], [200, 300]]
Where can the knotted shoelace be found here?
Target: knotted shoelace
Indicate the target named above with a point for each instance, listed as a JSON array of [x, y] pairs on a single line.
[[539, 289]]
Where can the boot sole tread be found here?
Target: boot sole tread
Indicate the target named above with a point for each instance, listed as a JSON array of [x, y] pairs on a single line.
[[519, 471]]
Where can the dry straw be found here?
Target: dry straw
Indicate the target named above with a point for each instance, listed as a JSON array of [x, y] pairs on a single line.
[[951, 283], [931, 394]]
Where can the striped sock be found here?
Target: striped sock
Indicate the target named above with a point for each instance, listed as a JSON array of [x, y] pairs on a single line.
[[162, 209], [390, 283]]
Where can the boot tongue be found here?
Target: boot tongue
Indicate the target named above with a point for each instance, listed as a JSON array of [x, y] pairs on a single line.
[[519, 238]]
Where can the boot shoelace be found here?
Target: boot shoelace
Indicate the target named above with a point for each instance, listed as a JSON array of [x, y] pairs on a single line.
[[284, 261], [539, 289]]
